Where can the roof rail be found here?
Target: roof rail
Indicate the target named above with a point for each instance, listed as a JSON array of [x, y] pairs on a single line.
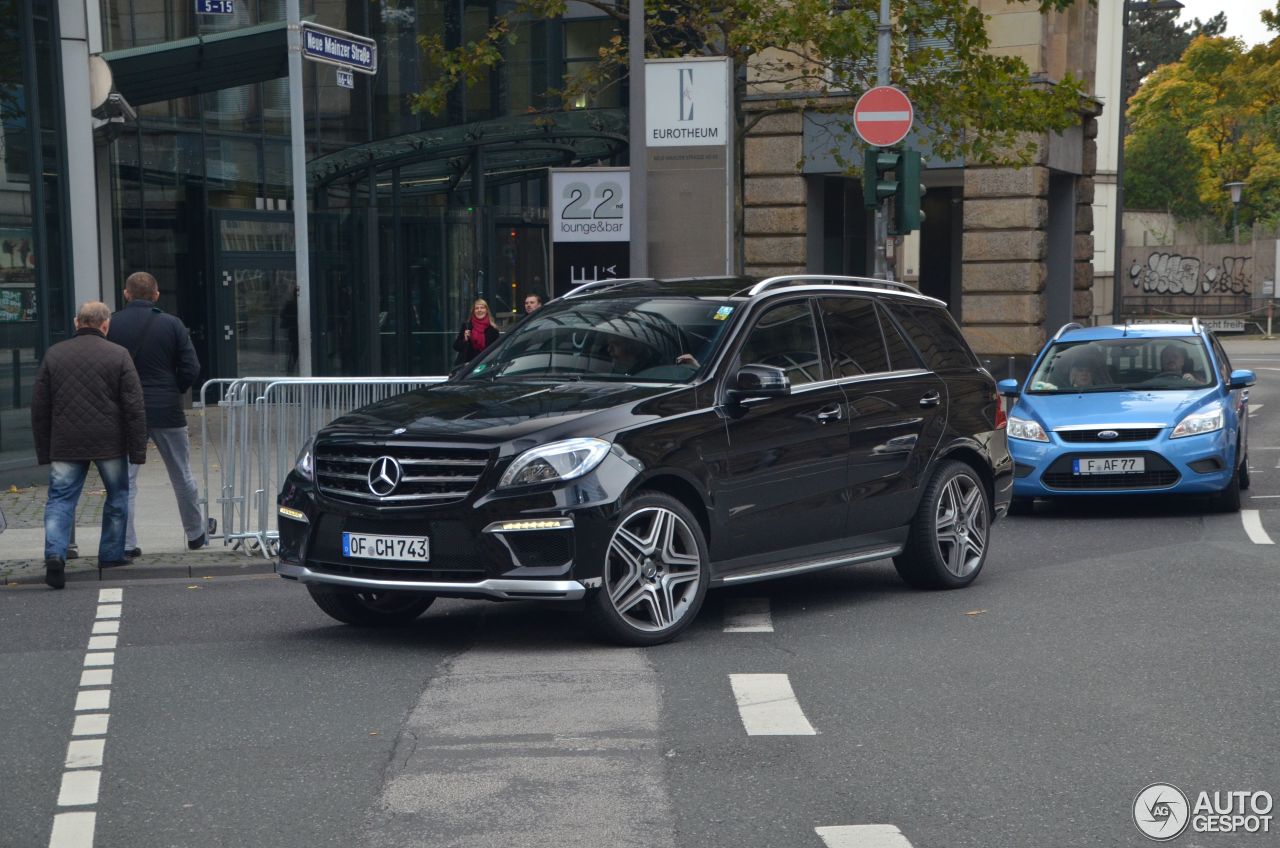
[[1195, 325], [789, 279], [601, 285], [1072, 326]]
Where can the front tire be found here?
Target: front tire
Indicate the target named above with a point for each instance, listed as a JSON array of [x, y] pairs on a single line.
[[1244, 473], [370, 609], [655, 573], [1228, 499], [949, 536]]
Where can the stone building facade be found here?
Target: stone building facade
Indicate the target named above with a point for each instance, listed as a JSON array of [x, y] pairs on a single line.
[[1019, 251]]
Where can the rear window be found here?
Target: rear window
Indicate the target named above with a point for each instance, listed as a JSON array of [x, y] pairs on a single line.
[[935, 334]]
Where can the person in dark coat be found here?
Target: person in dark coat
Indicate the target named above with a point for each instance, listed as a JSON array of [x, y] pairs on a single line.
[[168, 367], [87, 406], [476, 334]]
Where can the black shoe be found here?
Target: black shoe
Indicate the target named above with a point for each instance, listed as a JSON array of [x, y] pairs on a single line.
[[197, 544], [133, 553], [73, 552], [55, 573], [112, 563]]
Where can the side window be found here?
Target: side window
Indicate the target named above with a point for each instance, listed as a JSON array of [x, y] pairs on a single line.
[[1224, 363], [785, 336], [936, 336], [853, 334], [901, 356]]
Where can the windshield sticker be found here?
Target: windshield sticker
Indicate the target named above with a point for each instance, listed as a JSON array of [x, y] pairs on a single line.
[[722, 313], [480, 368]]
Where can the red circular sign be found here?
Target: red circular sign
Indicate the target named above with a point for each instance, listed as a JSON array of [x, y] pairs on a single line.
[[883, 116]]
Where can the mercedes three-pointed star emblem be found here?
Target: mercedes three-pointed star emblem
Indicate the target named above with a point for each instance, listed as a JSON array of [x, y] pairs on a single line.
[[384, 476]]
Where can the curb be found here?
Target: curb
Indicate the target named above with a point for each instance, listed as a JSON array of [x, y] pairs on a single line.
[[26, 572]]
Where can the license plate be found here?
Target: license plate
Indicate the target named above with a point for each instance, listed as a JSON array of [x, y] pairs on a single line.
[[400, 548], [1108, 465]]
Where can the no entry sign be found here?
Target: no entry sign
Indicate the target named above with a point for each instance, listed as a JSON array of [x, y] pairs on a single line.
[[883, 116]]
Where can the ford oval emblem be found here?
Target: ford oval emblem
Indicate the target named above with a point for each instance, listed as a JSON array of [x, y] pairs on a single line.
[[1108, 435]]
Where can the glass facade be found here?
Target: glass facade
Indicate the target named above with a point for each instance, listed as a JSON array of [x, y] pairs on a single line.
[[412, 215], [34, 287]]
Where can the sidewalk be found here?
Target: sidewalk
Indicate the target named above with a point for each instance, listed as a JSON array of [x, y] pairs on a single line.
[[159, 527]]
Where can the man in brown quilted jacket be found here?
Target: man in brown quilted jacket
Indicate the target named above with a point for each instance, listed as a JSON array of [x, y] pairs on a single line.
[[87, 407]]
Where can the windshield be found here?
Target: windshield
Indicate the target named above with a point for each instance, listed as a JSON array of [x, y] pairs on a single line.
[[1125, 364], [644, 338]]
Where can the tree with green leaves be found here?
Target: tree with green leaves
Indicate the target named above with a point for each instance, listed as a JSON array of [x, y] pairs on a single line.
[[810, 55], [1209, 119]]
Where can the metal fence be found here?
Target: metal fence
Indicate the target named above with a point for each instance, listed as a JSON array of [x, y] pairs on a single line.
[[251, 431]]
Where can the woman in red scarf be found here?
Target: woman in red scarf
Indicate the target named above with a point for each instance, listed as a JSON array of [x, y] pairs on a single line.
[[477, 333]]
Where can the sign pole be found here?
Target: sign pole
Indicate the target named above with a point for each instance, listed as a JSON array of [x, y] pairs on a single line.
[[298, 148], [636, 141], [883, 48]]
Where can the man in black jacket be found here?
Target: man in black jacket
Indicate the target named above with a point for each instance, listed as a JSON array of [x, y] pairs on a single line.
[[86, 406], [167, 366]]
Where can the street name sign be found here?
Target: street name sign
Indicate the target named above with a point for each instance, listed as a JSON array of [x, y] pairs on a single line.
[[335, 47], [215, 7], [882, 116]]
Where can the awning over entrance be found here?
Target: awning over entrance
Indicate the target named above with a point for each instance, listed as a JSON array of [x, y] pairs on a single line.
[[507, 146], [200, 64]]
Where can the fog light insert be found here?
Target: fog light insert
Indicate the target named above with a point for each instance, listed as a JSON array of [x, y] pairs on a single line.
[[522, 525], [1207, 466], [295, 514]]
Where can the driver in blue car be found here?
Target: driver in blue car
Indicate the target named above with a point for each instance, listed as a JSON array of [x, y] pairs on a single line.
[[1173, 363]]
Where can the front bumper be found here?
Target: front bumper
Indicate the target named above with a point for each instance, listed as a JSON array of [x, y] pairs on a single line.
[[500, 590], [1192, 465]]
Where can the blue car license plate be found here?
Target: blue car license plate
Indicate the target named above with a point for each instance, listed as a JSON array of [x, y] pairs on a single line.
[[1108, 465]]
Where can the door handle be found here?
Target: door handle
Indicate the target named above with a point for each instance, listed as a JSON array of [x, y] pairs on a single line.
[[931, 399], [831, 413]]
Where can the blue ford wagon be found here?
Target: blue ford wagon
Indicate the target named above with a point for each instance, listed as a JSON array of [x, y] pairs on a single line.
[[1129, 410]]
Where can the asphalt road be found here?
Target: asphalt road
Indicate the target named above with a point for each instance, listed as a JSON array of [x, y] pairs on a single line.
[[1105, 647]]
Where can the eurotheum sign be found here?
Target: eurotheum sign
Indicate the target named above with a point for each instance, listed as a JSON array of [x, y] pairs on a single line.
[[686, 103], [335, 47]]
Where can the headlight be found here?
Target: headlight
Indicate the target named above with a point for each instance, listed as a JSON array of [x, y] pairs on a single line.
[[306, 464], [1201, 422], [556, 461], [1021, 428]]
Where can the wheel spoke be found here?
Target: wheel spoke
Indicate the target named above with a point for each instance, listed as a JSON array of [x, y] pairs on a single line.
[[621, 587], [664, 609], [632, 598], [955, 559], [973, 502]]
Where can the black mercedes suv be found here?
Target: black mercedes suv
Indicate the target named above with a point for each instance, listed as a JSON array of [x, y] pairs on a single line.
[[637, 441]]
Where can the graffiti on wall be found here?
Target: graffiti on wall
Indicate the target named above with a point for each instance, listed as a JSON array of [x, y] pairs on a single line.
[[1175, 273]]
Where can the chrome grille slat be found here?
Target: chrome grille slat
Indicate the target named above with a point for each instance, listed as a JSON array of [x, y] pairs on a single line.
[[441, 473]]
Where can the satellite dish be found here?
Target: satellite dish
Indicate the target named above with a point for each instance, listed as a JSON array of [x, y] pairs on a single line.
[[100, 82]]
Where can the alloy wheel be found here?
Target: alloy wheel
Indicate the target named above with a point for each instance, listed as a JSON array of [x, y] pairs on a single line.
[[653, 569], [961, 525]]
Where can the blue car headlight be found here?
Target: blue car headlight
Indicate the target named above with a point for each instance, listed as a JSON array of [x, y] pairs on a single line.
[[1206, 421], [1026, 429]]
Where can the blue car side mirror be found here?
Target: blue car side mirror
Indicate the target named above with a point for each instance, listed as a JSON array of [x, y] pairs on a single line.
[[1010, 387], [1242, 379]]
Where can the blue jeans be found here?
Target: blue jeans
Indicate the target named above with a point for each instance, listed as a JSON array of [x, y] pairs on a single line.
[[66, 480]]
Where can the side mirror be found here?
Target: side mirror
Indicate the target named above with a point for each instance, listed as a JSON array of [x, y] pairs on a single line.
[[1009, 388], [758, 381], [1242, 379]]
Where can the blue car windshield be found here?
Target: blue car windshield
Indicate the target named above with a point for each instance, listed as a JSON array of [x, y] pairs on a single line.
[[650, 339], [1125, 364]]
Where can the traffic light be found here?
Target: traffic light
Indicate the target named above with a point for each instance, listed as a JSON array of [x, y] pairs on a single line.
[[876, 183], [906, 196]]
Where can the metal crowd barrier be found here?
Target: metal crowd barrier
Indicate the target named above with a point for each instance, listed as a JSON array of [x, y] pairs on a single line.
[[258, 426]]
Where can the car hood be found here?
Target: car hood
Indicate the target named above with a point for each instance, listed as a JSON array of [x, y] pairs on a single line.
[[498, 411], [1165, 408]]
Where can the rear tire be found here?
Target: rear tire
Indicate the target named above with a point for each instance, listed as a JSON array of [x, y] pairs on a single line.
[[654, 575], [370, 609], [951, 532]]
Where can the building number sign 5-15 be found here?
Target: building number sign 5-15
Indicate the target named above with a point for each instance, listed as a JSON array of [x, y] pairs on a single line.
[[607, 200]]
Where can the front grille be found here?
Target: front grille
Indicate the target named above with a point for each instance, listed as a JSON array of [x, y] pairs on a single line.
[[1144, 434], [431, 475], [1159, 474]]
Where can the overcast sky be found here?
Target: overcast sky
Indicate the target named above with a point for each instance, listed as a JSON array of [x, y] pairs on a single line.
[[1242, 17]]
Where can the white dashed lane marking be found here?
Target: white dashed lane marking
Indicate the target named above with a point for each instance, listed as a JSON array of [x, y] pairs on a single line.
[[747, 615], [768, 705], [79, 788], [1254, 407], [1253, 526], [863, 836], [85, 753], [73, 830]]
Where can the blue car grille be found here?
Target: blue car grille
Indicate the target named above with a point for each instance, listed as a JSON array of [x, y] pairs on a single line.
[[1158, 474], [1145, 434]]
